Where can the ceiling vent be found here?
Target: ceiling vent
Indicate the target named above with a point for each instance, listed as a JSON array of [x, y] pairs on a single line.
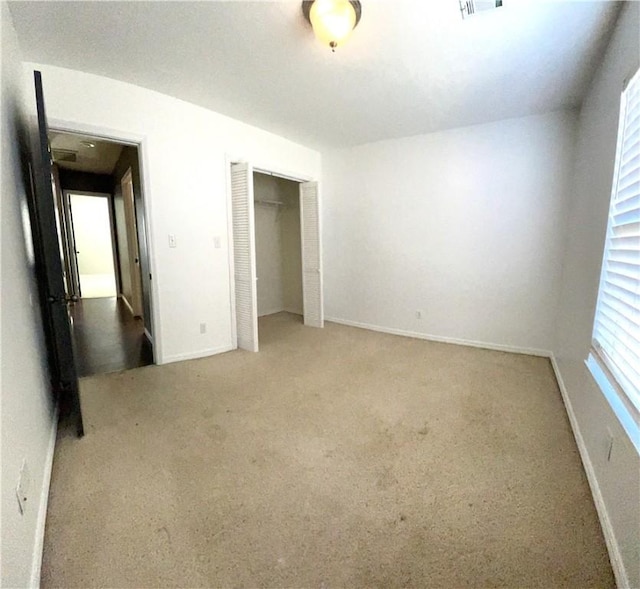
[[64, 155], [471, 7]]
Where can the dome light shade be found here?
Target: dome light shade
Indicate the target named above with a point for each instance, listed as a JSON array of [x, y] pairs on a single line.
[[332, 20]]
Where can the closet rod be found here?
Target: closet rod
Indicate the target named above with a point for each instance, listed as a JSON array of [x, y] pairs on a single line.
[[277, 175]]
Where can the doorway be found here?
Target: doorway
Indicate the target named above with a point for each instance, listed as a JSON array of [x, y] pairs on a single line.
[[101, 225], [94, 247], [276, 242], [129, 246], [278, 245]]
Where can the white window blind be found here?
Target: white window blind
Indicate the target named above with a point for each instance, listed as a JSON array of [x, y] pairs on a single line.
[[616, 331]]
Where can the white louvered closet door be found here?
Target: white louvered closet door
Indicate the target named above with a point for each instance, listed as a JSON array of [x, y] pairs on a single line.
[[244, 252], [311, 254]]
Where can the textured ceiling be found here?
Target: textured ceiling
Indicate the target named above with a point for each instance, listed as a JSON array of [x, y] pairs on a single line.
[[410, 67]]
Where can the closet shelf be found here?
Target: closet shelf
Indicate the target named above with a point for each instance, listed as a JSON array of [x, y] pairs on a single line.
[[275, 203]]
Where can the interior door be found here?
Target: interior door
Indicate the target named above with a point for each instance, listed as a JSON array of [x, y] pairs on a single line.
[[55, 317], [244, 252], [63, 238], [132, 240], [311, 254], [71, 246]]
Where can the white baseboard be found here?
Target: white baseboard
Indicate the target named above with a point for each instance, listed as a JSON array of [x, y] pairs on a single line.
[[38, 545], [270, 312], [286, 310], [444, 340], [126, 302], [198, 354], [622, 580]]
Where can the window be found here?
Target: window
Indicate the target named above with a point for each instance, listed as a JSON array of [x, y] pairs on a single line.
[[616, 329]]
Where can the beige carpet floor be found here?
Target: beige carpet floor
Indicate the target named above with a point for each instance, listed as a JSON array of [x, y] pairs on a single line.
[[333, 458]]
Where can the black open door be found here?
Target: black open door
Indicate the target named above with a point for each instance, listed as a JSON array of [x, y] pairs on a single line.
[[55, 316]]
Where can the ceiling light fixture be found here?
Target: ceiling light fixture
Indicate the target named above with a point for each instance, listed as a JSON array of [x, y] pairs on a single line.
[[87, 144], [332, 20]]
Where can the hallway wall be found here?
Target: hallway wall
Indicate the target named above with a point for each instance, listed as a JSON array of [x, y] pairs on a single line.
[[122, 243], [85, 181]]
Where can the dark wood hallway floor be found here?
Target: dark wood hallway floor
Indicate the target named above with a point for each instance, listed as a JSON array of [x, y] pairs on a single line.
[[107, 338]]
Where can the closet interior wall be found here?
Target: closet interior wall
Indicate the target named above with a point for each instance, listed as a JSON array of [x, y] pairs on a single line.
[[278, 244]]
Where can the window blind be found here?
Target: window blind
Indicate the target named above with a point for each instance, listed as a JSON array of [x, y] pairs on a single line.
[[616, 332]]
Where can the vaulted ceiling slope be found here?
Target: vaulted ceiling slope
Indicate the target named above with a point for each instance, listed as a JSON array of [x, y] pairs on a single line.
[[411, 67]]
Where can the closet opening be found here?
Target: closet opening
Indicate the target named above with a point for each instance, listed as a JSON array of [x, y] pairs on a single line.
[[277, 252], [278, 245]]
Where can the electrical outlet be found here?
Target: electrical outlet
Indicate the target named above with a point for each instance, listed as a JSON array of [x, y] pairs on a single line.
[[24, 484], [216, 242], [419, 314], [203, 328]]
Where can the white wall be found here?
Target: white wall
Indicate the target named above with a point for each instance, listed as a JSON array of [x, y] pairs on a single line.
[[291, 248], [184, 168], [123, 244], [268, 258], [618, 481], [92, 231], [278, 247], [27, 422], [464, 225]]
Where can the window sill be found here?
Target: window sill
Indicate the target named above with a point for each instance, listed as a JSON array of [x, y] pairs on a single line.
[[613, 396]]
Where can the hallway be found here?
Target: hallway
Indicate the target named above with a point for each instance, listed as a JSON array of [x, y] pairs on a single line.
[[107, 338]]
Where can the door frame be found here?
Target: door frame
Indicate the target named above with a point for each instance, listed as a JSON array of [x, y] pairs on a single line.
[[141, 143], [66, 200], [64, 234], [136, 304], [261, 167]]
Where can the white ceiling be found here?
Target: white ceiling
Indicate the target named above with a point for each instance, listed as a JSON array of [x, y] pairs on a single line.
[[100, 159], [411, 66]]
